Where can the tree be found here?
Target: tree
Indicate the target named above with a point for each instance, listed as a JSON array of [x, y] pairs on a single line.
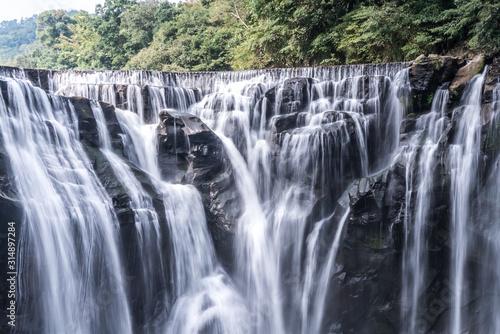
[[196, 39], [51, 25], [77, 51], [108, 48]]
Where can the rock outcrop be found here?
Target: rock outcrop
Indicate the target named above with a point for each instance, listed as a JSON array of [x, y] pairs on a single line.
[[290, 97], [464, 74], [427, 74], [187, 145]]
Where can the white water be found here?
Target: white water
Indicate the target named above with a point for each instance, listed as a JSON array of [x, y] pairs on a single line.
[[149, 236], [69, 269], [463, 159], [203, 294], [420, 152], [322, 154], [327, 151], [348, 128]]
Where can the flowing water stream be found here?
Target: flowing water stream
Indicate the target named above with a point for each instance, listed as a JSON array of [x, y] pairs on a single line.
[[295, 140]]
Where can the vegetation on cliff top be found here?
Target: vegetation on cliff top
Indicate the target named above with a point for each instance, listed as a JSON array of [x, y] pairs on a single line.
[[213, 35]]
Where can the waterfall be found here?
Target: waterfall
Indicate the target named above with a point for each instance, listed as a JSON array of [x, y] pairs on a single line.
[[326, 147], [70, 273], [204, 298], [463, 159], [294, 144], [149, 235], [493, 254], [429, 129]]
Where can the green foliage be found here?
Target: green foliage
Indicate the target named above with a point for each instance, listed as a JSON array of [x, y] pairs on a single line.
[[77, 51], [51, 25], [14, 34], [196, 40], [214, 35]]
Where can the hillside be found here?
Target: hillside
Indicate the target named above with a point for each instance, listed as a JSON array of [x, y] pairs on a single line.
[[215, 35]]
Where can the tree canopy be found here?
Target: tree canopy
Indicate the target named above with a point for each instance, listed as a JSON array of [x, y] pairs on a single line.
[[214, 35]]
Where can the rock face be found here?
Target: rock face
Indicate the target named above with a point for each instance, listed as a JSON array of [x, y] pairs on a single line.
[[427, 74], [369, 282], [366, 290], [491, 80], [290, 97], [188, 145], [465, 74]]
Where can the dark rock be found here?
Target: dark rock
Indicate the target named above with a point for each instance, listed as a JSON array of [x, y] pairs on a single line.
[[408, 124], [290, 97], [491, 81], [284, 122], [464, 74], [87, 125], [365, 288], [186, 143], [427, 74]]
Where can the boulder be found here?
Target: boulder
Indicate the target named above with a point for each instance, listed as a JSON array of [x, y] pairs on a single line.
[[491, 81], [284, 122], [188, 144], [293, 95], [427, 74], [464, 74]]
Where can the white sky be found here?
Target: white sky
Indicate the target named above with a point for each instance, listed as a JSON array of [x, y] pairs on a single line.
[[17, 9]]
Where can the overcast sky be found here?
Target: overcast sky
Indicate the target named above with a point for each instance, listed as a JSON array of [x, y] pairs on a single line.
[[17, 9]]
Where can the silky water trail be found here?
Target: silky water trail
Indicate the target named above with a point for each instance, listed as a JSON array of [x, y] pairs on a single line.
[[203, 298], [472, 203], [326, 149], [347, 128], [490, 280], [68, 252], [419, 158], [280, 293]]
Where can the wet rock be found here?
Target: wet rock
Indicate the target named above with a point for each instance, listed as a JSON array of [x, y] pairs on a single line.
[[427, 74], [284, 122], [87, 125], [186, 142], [408, 124], [369, 280], [290, 97], [366, 285], [464, 74], [491, 81]]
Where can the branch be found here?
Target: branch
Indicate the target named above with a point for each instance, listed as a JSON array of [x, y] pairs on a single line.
[[237, 15]]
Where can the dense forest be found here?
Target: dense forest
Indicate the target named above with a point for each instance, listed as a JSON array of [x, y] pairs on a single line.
[[214, 35], [15, 36]]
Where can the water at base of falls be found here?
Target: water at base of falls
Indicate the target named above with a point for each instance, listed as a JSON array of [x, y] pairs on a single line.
[[294, 139]]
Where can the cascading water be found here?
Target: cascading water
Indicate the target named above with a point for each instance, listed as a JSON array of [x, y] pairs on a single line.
[[464, 160], [490, 217], [335, 114], [324, 149], [294, 140], [203, 295], [70, 276], [149, 235], [424, 143]]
